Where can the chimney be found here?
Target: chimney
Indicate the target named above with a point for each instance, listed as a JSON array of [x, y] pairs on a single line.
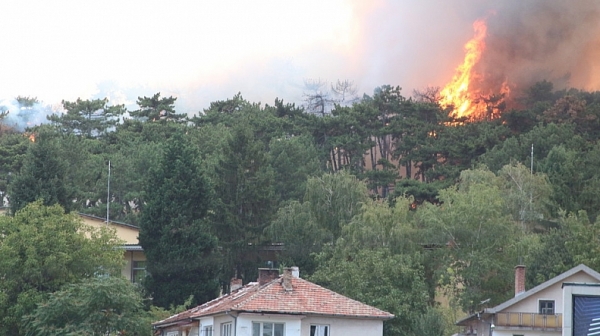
[[519, 279], [288, 274], [235, 284], [266, 275]]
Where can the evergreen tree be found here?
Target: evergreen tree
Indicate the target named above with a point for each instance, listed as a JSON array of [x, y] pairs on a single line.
[[174, 229], [156, 108], [42, 176], [246, 199], [89, 118]]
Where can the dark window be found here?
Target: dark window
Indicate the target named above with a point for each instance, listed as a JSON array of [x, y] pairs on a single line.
[[319, 330], [138, 271], [547, 307]]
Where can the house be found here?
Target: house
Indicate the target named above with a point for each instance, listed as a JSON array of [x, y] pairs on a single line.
[[540, 311], [135, 259], [133, 254], [276, 305]]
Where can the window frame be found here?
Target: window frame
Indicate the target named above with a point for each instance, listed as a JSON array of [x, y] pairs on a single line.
[[261, 329], [207, 330], [543, 308], [135, 269], [224, 326], [317, 327]]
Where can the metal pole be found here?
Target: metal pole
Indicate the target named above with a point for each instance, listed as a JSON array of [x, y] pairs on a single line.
[[531, 187], [108, 196]]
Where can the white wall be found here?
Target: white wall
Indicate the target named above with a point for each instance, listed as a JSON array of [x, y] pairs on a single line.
[[292, 323], [554, 292], [344, 326]]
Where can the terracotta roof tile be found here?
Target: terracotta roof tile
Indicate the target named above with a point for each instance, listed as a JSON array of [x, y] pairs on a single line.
[[304, 298]]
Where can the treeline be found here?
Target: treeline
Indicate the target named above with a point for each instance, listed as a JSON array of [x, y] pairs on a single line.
[[389, 200]]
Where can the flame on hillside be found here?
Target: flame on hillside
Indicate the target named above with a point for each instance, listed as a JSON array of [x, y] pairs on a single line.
[[464, 92]]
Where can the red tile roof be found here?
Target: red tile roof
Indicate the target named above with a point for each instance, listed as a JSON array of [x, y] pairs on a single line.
[[304, 298]]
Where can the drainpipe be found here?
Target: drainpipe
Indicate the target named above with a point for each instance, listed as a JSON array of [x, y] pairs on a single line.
[[234, 322]]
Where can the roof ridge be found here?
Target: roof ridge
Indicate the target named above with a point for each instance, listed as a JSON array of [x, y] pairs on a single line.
[[342, 296], [256, 292]]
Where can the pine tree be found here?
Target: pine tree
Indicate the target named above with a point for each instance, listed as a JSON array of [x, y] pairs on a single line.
[[174, 228], [43, 176], [156, 108]]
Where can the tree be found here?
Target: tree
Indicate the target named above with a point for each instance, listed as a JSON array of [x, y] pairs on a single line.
[[392, 282], [479, 244], [293, 161], [43, 249], [246, 202], [90, 118], [175, 229], [42, 176], [156, 108], [98, 306], [334, 200]]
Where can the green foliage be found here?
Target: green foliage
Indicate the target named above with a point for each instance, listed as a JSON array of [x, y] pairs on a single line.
[[479, 243], [42, 176], [97, 306], [245, 193], [89, 118], [431, 323], [156, 108], [293, 161], [13, 149], [175, 229], [43, 249], [334, 199], [392, 282]]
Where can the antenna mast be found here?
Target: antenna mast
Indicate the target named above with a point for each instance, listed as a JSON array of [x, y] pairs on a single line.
[[108, 196], [531, 187]]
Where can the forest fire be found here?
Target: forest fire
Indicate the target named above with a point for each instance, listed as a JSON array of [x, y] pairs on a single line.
[[464, 92]]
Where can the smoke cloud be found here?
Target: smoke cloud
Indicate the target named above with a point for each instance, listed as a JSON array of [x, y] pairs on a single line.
[[203, 51], [554, 40]]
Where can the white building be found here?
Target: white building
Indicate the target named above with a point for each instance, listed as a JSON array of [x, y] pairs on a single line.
[[277, 306], [540, 311]]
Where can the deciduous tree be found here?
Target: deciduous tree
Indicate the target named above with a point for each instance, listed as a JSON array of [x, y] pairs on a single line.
[[43, 249]]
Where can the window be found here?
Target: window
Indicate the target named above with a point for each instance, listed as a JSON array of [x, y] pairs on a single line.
[[138, 271], [267, 329], [547, 307], [319, 330], [207, 331], [226, 329]]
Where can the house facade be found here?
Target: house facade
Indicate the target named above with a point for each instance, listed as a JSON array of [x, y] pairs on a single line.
[[134, 269], [540, 311], [276, 305]]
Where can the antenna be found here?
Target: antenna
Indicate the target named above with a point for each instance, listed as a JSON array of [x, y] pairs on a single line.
[[531, 187], [108, 196]]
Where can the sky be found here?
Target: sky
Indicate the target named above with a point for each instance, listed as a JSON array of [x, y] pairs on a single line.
[[203, 51]]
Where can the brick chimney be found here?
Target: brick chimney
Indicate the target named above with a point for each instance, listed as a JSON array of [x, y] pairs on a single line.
[[288, 274], [235, 284], [266, 275], [519, 279]]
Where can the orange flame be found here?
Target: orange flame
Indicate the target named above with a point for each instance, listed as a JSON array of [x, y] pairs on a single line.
[[461, 93], [32, 137]]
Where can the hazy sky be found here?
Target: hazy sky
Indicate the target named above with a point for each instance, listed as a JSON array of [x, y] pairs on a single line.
[[205, 50]]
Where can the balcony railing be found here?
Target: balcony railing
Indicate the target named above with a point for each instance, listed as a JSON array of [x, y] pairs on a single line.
[[529, 320]]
